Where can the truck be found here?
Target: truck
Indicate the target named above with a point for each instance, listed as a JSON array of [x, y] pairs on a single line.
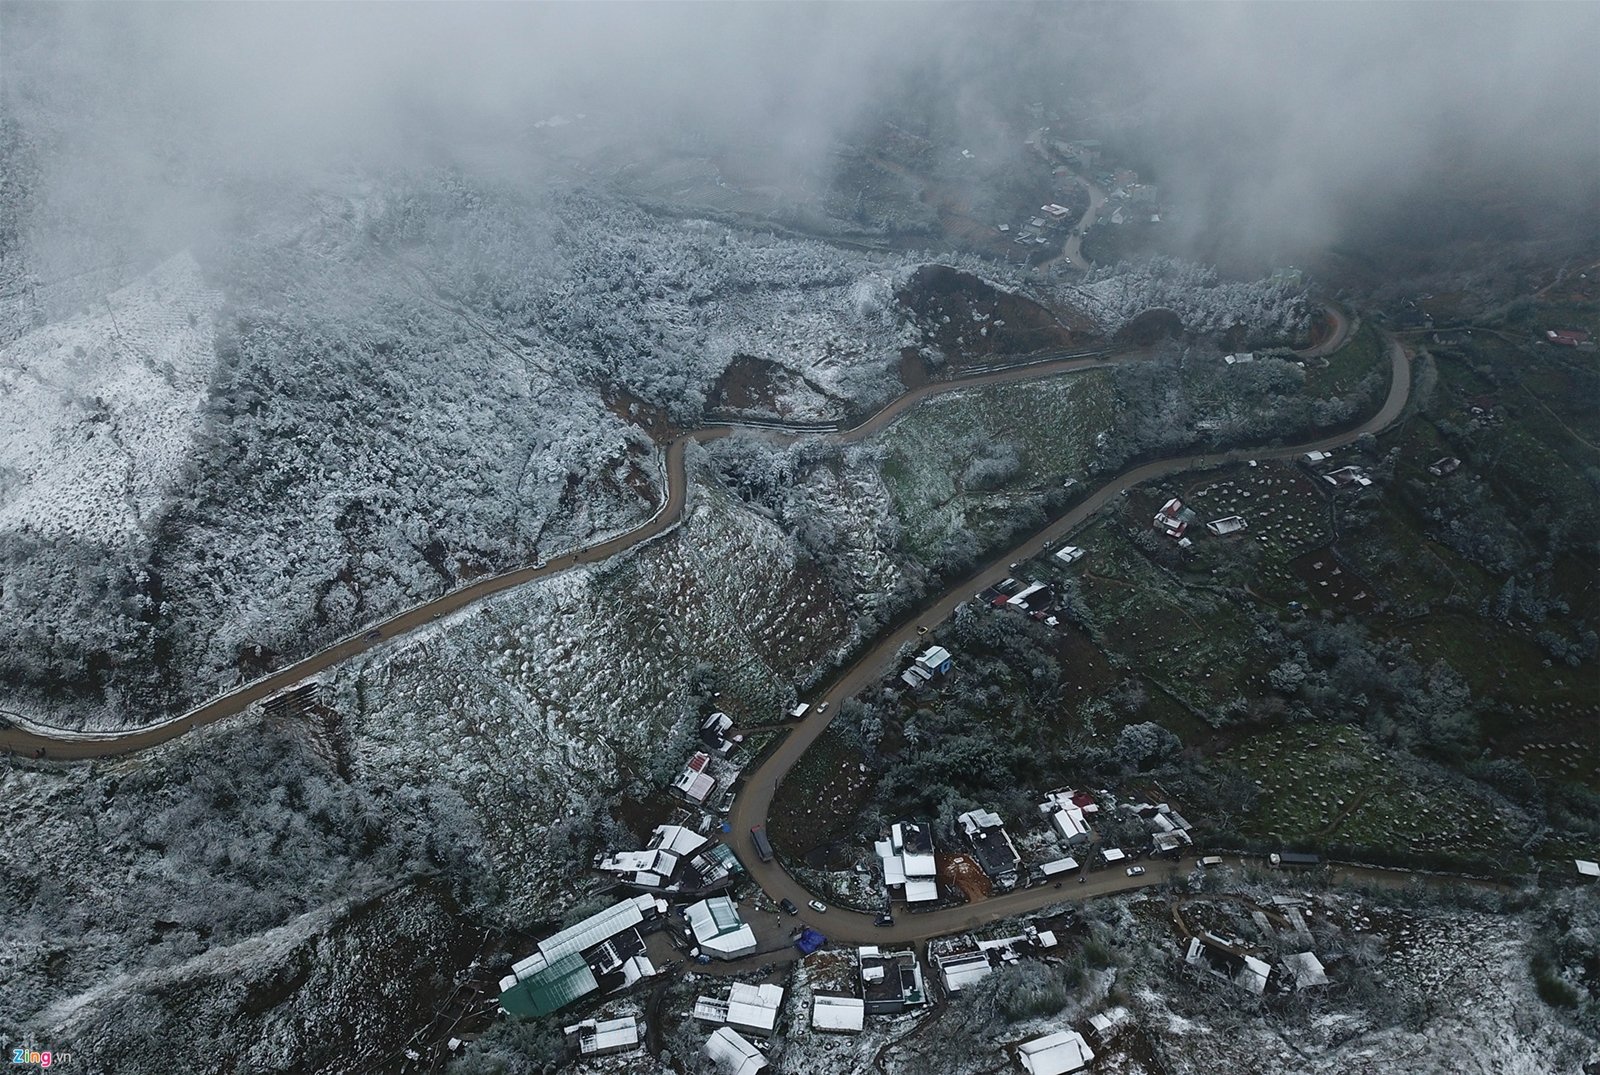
[[1294, 858], [758, 836]]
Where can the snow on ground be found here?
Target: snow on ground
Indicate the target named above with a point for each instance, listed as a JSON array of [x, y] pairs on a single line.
[[536, 706], [97, 412], [1206, 304]]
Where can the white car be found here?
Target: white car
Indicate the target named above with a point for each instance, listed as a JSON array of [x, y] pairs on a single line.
[[1135, 871], [817, 906]]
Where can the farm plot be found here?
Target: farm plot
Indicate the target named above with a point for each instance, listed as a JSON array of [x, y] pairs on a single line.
[[1330, 584], [970, 463], [1335, 786], [1193, 642], [1284, 513]]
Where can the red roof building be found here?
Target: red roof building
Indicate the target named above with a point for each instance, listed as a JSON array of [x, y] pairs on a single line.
[[1566, 337]]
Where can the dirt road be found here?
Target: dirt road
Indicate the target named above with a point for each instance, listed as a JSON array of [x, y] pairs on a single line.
[[754, 802]]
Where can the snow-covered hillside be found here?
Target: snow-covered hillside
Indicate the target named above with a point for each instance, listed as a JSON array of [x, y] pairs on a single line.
[[97, 413]]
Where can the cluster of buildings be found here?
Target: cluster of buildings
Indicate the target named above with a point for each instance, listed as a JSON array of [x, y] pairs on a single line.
[[1036, 232], [677, 860], [1321, 464], [1229, 960], [961, 961], [1034, 598], [603, 953]]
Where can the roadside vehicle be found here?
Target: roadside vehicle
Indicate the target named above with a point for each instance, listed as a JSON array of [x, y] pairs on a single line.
[[1135, 871], [817, 906], [372, 635], [1211, 860], [788, 906], [885, 919], [758, 836]]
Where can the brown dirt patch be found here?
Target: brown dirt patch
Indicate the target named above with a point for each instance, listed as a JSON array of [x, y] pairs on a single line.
[[963, 872], [971, 321]]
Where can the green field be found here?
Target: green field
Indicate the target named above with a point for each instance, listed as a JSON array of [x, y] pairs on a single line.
[[972, 462], [1333, 785]]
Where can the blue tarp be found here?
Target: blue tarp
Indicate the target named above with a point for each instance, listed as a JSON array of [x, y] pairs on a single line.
[[809, 941]]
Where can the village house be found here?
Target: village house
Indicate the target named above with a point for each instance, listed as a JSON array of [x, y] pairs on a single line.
[[1448, 465], [890, 982], [676, 859], [991, 846], [957, 970], [1345, 477], [1173, 519], [1231, 524], [733, 1054], [1069, 554], [933, 662], [695, 784], [1306, 968], [1239, 358], [1060, 1053], [601, 1038], [718, 930], [908, 860], [1225, 960], [749, 1009], [837, 1014], [1068, 813], [1108, 1023]]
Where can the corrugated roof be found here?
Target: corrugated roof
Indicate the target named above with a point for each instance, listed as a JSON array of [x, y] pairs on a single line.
[[551, 987]]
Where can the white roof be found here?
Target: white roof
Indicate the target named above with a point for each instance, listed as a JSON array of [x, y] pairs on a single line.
[[1047, 938], [1055, 1054], [1059, 866], [717, 927], [933, 657], [1069, 553], [1307, 969], [894, 872], [838, 1013], [1022, 597], [980, 819], [1114, 854], [963, 971], [610, 1035], [1109, 1020], [1253, 975], [1587, 868], [733, 1053], [921, 891], [586, 934], [678, 840], [754, 1008]]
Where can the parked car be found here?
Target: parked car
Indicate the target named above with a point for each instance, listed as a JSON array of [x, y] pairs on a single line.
[[817, 906], [885, 919], [1135, 871], [788, 905], [822, 707], [372, 635]]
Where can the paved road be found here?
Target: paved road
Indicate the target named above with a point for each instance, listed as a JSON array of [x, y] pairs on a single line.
[[26, 739], [754, 801]]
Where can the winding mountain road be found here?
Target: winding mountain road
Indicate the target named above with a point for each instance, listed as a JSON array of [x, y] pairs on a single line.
[[26, 738], [754, 801]]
